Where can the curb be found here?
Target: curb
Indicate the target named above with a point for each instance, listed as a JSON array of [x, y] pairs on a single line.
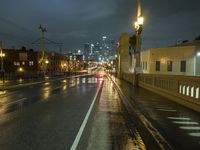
[[151, 136]]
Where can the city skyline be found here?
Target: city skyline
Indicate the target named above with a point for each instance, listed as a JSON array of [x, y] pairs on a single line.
[[76, 23]]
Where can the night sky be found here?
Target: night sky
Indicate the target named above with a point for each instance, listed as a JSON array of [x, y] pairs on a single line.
[[75, 22]]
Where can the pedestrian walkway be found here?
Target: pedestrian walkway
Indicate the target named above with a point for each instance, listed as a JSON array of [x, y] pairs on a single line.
[[110, 129], [179, 125]]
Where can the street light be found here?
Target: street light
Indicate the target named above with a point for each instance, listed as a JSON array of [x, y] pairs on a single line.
[[46, 61], [138, 31], [2, 55], [46, 64], [140, 20], [21, 69]]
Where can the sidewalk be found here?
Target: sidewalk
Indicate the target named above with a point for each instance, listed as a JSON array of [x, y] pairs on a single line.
[[110, 129], [179, 125]]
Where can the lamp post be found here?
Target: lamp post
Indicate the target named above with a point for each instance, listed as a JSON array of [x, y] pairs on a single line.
[[138, 31], [46, 64], [2, 55]]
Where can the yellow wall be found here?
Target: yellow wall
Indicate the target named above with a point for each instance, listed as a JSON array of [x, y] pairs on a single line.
[[124, 53], [174, 54]]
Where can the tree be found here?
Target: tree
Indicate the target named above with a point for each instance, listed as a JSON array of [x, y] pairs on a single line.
[[185, 41], [23, 48]]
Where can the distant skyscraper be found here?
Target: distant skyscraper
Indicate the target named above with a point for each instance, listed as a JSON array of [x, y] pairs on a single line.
[[103, 50], [86, 50], [91, 49]]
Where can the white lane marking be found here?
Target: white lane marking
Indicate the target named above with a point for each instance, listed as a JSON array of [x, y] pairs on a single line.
[[195, 134], [22, 99], [163, 107], [170, 110], [80, 132], [185, 122], [190, 128], [179, 118]]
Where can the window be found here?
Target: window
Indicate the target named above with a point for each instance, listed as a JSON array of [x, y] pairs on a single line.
[[157, 65], [183, 66], [16, 63], [23, 62], [146, 65], [169, 66], [31, 63]]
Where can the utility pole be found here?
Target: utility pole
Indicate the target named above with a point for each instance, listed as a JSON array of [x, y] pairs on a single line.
[[2, 55], [42, 60]]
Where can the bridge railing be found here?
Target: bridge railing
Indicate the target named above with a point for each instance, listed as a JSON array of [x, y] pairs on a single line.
[[182, 89], [186, 87]]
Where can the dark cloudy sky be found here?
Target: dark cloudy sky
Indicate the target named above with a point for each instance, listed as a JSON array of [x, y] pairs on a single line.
[[74, 22]]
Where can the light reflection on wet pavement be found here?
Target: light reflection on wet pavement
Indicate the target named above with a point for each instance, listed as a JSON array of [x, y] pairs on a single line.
[[110, 129]]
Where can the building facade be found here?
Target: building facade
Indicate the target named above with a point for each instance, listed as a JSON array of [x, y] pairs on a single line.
[[180, 60], [28, 61]]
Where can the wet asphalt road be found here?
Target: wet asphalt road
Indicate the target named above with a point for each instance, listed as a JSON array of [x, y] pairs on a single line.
[[179, 125], [45, 116], [111, 129]]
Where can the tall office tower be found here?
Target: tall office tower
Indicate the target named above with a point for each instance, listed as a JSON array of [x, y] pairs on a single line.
[[113, 49], [108, 48], [86, 51], [97, 51]]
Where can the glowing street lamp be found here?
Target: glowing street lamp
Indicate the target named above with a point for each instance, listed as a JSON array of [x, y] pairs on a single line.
[[46, 61], [21, 69], [138, 31], [2, 55], [140, 21]]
